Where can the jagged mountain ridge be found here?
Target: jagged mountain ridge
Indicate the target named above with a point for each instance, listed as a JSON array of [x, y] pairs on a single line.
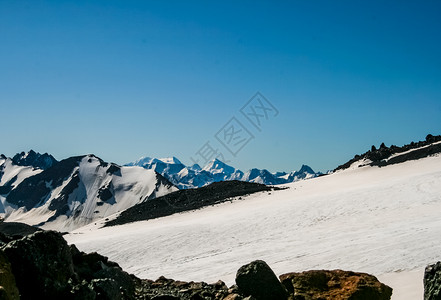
[[75, 191], [185, 177], [34, 159], [384, 155]]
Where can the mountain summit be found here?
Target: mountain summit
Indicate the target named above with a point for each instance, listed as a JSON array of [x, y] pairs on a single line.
[[34, 159]]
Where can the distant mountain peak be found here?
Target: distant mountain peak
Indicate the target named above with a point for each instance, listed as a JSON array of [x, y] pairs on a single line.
[[170, 160], [216, 163], [196, 167], [306, 169], [214, 171]]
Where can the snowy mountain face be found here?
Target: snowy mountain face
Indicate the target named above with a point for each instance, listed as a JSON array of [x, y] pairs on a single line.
[[74, 192], [23, 165], [14, 170], [185, 177]]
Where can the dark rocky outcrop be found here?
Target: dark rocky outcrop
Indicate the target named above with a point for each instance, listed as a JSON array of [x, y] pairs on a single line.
[[432, 282], [335, 285], [42, 265], [258, 280], [383, 156], [16, 230], [45, 267], [190, 199]]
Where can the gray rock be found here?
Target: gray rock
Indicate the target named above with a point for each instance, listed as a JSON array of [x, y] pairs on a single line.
[[258, 280]]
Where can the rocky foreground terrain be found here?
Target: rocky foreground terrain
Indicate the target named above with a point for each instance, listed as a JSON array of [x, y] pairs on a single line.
[[41, 265]]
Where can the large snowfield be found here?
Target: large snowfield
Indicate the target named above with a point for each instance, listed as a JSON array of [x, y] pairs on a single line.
[[384, 221]]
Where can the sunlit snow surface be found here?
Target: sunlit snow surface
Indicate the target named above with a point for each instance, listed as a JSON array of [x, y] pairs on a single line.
[[370, 219]]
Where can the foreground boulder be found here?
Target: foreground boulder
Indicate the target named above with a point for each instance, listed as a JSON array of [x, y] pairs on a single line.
[[258, 280], [46, 267], [8, 289], [42, 265], [335, 285], [432, 282]]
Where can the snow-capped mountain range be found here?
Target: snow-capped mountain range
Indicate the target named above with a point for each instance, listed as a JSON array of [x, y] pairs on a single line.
[[38, 190], [194, 176], [63, 195]]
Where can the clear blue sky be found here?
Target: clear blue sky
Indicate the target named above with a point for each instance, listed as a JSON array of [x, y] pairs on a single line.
[[124, 79]]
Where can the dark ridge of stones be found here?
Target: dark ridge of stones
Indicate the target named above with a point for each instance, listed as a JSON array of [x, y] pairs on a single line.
[[169, 289], [15, 230], [414, 155], [190, 199], [379, 156], [432, 282]]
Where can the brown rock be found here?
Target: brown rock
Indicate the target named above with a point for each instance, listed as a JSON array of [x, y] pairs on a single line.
[[335, 285]]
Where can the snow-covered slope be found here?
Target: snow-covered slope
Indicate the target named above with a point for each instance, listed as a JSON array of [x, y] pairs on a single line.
[[14, 170], [214, 171], [79, 190], [370, 219], [12, 175]]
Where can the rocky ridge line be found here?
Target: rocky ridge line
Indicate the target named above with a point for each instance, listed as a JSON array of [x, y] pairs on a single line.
[[384, 155]]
